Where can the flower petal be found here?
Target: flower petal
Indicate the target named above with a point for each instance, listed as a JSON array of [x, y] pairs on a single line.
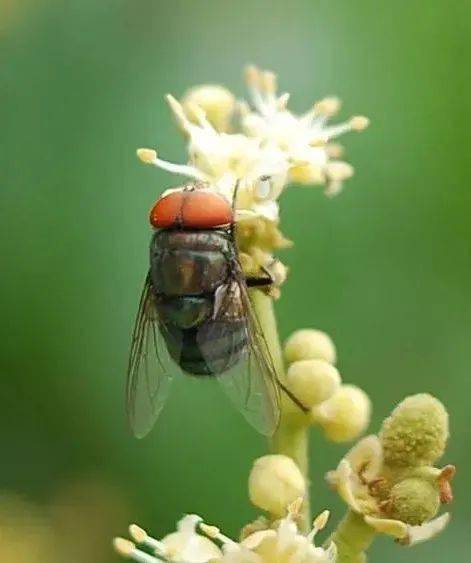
[[394, 528], [366, 456], [342, 479], [419, 534]]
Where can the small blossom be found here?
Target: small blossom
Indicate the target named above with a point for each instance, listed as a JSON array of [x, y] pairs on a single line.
[[310, 344], [275, 481], [345, 415], [314, 381], [252, 165], [200, 543], [400, 501], [304, 138], [184, 545]]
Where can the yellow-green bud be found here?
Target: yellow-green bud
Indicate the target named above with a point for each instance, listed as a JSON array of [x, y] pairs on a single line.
[[345, 415], [310, 344], [217, 102], [416, 432], [414, 501], [275, 481], [312, 381]]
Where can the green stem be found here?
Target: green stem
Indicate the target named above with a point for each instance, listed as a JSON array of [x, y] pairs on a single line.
[[291, 436], [352, 537]]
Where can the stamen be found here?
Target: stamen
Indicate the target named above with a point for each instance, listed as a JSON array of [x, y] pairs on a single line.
[[252, 76], [140, 536], [327, 106], [334, 150], [319, 524], [295, 507], [269, 82], [356, 123], [214, 533], [282, 101], [179, 113], [200, 115], [444, 483], [127, 549], [338, 170], [320, 521], [332, 552], [359, 123], [254, 80], [149, 156]]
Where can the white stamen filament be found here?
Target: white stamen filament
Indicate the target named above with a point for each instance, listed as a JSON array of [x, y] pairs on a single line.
[[357, 123], [319, 524], [183, 169], [282, 101], [200, 115], [214, 533], [177, 110], [140, 536], [127, 549]]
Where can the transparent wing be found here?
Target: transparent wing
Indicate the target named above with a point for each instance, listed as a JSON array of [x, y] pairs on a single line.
[[235, 349], [150, 368]]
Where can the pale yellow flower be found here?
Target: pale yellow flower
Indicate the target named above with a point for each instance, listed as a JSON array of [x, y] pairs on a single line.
[[365, 485], [196, 542], [303, 138]]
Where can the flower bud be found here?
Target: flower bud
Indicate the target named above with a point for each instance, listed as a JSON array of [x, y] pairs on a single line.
[[345, 415], [414, 501], [416, 432], [310, 344], [275, 481], [313, 381], [216, 101]]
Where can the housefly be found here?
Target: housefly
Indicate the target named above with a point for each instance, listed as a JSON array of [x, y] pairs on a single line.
[[195, 315]]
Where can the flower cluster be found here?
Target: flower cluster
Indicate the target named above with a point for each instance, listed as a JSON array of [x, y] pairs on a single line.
[[196, 542], [342, 410], [249, 153], [390, 480]]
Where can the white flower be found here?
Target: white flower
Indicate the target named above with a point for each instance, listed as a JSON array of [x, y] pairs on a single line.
[[225, 161], [282, 543], [184, 545], [305, 139], [252, 165]]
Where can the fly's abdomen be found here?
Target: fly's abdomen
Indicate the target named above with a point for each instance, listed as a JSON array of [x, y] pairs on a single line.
[[209, 349]]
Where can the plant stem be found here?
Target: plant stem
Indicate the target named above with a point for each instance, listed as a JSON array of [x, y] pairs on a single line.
[[291, 436], [352, 537]]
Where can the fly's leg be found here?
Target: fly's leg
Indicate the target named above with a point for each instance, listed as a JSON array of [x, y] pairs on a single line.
[[264, 281]]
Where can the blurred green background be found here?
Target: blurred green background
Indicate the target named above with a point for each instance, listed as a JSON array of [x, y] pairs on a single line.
[[385, 268]]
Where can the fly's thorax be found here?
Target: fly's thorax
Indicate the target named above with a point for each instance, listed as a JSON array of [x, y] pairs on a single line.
[[190, 262]]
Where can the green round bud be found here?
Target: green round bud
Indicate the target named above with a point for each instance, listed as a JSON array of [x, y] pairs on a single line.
[[416, 432], [310, 344], [414, 501]]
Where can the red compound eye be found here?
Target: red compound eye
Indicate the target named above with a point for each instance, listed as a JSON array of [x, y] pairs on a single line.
[[197, 209]]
